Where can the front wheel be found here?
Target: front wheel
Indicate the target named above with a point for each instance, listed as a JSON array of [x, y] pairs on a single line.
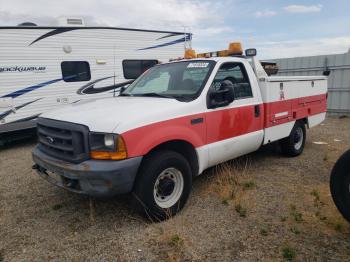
[[163, 185], [340, 184], [293, 145]]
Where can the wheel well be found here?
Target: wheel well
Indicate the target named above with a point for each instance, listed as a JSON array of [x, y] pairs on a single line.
[[184, 148], [304, 121]]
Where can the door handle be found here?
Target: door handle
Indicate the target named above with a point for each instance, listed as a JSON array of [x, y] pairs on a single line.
[[197, 121], [257, 110]]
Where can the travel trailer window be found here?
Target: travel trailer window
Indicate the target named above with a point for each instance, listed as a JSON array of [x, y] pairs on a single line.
[[134, 68], [75, 71]]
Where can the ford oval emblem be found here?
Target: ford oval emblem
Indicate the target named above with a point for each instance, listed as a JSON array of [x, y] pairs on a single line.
[[50, 139]]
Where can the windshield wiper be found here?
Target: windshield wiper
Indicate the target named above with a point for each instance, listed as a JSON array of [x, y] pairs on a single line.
[[184, 98], [125, 94], [152, 94]]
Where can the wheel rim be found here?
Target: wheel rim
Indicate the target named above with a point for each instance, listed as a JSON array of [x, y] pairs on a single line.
[[298, 138], [168, 187]]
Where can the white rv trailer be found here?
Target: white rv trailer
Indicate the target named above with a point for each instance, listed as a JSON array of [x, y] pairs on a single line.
[[42, 68]]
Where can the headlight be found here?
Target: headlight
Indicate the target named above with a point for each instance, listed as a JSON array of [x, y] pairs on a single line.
[[107, 146], [109, 140]]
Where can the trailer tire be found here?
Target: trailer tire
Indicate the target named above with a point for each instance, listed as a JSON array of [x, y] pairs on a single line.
[[293, 145], [340, 185], [163, 185]]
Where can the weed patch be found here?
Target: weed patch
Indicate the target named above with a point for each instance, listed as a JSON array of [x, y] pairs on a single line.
[[241, 210], [263, 232], [297, 216], [325, 157], [227, 183], [288, 253], [295, 230], [248, 185], [176, 241], [170, 241], [225, 202], [57, 206], [337, 225], [316, 195]]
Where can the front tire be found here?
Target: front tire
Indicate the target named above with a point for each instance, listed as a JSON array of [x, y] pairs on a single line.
[[293, 145], [163, 185], [340, 185]]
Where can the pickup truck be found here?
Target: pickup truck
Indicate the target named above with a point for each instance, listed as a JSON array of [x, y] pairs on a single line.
[[173, 122]]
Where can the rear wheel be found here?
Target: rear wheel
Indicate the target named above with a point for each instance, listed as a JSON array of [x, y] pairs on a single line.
[[163, 185], [340, 185], [293, 145]]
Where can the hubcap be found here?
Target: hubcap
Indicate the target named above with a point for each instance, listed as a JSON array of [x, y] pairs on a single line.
[[298, 138], [168, 187]]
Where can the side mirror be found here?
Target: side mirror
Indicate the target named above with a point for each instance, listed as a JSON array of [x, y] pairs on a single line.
[[250, 52], [221, 96], [326, 72]]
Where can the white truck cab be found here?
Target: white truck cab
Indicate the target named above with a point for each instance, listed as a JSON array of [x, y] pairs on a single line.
[[172, 123]]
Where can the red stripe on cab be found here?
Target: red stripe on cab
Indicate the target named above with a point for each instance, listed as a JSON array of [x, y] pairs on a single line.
[[218, 125]]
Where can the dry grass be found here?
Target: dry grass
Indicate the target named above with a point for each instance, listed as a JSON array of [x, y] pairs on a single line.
[[321, 212], [170, 240], [230, 181]]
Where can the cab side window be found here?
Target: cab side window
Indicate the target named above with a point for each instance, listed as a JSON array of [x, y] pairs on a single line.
[[236, 73]]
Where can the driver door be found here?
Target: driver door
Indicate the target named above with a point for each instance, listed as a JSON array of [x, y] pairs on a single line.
[[235, 129]]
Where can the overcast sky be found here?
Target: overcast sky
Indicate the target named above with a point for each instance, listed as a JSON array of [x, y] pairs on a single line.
[[277, 28]]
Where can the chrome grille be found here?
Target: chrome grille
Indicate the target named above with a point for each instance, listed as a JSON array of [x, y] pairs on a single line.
[[63, 140]]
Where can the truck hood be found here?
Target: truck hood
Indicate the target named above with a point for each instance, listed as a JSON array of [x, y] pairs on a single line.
[[120, 114]]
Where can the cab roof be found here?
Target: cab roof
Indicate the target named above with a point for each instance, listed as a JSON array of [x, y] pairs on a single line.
[[215, 59]]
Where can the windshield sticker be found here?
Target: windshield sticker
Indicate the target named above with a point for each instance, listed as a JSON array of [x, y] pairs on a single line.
[[197, 65]]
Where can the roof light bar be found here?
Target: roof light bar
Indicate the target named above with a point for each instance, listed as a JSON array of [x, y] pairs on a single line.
[[234, 48]]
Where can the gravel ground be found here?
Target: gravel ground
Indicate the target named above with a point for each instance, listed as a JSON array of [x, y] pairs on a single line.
[[260, 207]]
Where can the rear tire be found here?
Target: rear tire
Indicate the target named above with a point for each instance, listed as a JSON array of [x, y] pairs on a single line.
[[163, 185], [293, 145], [340, 185]]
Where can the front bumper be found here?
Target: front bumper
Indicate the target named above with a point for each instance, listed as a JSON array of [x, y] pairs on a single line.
[[99, 178]]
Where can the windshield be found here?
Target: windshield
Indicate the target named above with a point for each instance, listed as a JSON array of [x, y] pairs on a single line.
[[180, 80]]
